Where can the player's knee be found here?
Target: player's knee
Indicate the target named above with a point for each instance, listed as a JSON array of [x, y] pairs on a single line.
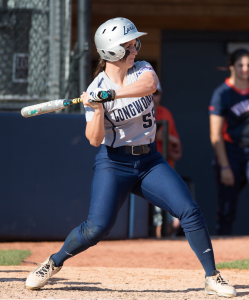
[[192, 219], [92, 233]]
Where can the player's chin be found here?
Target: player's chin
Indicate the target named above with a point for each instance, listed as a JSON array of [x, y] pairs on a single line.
[[130, 62], [244, 76]]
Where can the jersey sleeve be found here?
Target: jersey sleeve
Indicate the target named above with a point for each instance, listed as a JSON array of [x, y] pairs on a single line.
[[142, 67], [89, 112], [217, 105]]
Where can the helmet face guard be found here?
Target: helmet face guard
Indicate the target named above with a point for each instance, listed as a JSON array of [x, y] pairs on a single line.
[[138, 44], [110, 36]]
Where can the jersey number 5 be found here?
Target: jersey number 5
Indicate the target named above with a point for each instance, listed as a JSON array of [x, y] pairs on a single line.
[[148, 119]]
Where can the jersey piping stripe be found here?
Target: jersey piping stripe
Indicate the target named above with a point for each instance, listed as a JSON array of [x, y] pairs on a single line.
[[241, 92], [100, 82], [114, 132]]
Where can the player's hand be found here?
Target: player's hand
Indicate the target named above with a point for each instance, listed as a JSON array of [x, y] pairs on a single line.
[[175, 148], [227, 177], [102, 96], [95, 105], [159, 134]]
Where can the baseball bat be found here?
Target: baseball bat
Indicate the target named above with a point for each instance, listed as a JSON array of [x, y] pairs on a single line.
[[54, 105], [47, 107]]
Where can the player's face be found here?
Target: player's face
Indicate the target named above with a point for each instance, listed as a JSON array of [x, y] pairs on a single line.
[[131, 47], [241, 68]]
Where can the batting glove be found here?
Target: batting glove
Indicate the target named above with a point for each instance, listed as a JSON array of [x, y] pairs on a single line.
[[102, 96]]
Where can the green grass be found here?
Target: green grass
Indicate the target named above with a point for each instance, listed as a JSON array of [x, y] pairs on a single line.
[[13, 257], [236, 264]]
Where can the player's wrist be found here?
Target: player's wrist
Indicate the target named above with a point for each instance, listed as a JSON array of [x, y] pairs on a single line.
[[98, 107], [227, 167], [102, 96]]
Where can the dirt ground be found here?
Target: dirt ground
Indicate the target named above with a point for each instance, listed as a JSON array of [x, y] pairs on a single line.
[[132, 269]]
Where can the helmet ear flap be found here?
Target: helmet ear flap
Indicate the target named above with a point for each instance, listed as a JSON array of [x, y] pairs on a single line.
[[114, 54], [138, 44]]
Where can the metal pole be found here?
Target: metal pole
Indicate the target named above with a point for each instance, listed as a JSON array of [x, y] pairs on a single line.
[[165, 124], [84, 42], [5, 4], [165, 139], [55, 48], [131, 216], [66, 25]]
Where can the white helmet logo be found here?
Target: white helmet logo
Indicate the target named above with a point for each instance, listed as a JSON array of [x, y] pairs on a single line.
[[131, 27]]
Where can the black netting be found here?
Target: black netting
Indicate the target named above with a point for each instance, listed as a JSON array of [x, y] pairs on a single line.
[[34, 50], [24, 47]]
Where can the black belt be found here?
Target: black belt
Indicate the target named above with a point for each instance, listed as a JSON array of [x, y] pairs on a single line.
[[137, 150], [133, 150]]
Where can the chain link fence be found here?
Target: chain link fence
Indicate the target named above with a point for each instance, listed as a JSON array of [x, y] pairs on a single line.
[[34, 51], [73, 86]]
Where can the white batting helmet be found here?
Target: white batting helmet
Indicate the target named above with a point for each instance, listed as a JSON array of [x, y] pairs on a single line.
[[111, 34]]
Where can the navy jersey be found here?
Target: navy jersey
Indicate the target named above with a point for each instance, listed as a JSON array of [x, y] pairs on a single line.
[[232, 104]]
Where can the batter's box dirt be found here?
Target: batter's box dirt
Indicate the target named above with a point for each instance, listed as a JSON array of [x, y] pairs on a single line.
[[141, 253], [117, 283]]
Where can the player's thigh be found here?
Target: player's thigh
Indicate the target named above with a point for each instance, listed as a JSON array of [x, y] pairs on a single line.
[[163, 187], [111, 185]]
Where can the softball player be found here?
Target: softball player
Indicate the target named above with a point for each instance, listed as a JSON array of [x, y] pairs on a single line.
[[229, 133], [121, 120]]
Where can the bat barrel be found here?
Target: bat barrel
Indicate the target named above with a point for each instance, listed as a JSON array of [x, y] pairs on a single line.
[[42, 108]]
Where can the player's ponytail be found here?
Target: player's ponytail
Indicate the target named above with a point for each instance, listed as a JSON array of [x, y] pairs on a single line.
[[100, 67]]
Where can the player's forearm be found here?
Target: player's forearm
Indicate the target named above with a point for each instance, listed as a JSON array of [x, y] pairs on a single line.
[[143, 87], [95, 130], [217, 141], [220, 151]]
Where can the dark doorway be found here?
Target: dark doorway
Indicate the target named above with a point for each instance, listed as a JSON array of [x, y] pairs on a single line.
[[189, 76]]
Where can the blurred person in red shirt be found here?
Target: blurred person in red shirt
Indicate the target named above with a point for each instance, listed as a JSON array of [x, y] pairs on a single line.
[[174, 143], [174, 152]]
